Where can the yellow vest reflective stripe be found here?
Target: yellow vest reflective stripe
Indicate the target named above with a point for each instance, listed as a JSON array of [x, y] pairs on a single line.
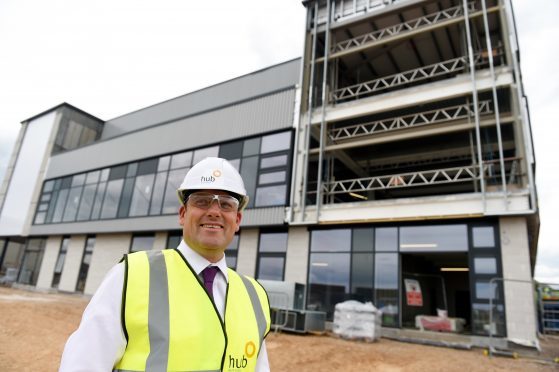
[[184, 332]]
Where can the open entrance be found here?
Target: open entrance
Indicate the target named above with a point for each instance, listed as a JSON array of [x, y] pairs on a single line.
[[436, 291]]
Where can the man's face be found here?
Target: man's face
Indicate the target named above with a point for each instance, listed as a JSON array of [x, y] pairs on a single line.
[[209, 231]]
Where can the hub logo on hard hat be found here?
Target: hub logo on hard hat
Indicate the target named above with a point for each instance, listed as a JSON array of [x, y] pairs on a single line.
[[210, 179]]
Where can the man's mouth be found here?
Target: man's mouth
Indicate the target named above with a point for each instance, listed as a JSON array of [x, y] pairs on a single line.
[[210, 226]]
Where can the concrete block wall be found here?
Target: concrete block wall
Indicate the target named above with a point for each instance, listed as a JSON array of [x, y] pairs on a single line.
[[72, 263], [519, 296], [297, 257], [50, 256], [248, 251], [108, 250]]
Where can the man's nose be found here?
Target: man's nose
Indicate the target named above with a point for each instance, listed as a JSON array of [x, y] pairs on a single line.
[[214, 206]]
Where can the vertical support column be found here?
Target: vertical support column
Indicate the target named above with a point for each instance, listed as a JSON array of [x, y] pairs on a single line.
[[160, 241], [519, 296], [495, 104], [49, 261], [323, 112], [248, 251], [297, 256], [72, 263], [474, 96], [108, 251], [309, 111]]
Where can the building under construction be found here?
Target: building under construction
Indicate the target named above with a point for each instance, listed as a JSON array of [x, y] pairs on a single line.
[[392, 163]]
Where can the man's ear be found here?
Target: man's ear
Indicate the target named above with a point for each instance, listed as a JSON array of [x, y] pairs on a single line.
[[182, 214], [238, 221]]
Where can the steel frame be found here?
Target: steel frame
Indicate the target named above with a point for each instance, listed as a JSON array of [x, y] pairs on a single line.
[[422, 118], [412, 179], [406, 77], [414, 24]]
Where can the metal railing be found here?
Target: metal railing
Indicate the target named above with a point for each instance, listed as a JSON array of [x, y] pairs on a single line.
[[463, 111]]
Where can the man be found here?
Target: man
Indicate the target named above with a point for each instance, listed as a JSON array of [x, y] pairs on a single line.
[[180, 309]]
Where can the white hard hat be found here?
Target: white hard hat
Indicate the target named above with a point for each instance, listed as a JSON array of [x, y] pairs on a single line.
[[214, 174]]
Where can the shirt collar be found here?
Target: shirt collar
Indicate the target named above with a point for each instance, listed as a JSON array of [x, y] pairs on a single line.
[[199, 263]]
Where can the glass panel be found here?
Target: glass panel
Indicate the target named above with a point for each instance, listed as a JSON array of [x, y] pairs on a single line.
[[32, 262], [66, 182], [249, 169], [485, 265], [60, 204], [132, 169], [142, 243], [231, 252], [86, 260], [46, 197], [328, 281], [60, 262], [363, 240], [87, 202], [434, 238], [78, 179], [480, 319], [52, 204], [484, 237], [104, 174], [171, 202], [336, 240], [12, 257], [173, 240], [184, 159], [98, 200], [147, 166], [39, 218], [273, 177], [141, 195], [125, 198], [43, 207], [386, 287], [112, 197], [276, 142], [271, 268], [270, 195], [273, 161], [231, 150], [273, 242], [485, 291], [251, 147], [163, 164], [386, 239], [72, 204], [236, 163], [93, 177], [49, 185], [158, 192], [117, 172], [201, 154], [362, 277]]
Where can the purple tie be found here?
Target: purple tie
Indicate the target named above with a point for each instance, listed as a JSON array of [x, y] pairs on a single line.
[[209, 274]]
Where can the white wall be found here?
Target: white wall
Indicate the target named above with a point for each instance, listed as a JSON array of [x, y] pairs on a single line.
[[108, 250], [248, 249], [72, 263], [519, 296], [26, 176], [49, 262]]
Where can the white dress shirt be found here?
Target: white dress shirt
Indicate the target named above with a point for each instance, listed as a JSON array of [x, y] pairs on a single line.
[[99, 342]]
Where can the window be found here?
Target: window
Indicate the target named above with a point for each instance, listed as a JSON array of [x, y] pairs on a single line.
[[12, 255], [271, 255], [142, 243], [148, 187], [32, 261], [86, 261], [174, 239], [434, 238], [59, 266]]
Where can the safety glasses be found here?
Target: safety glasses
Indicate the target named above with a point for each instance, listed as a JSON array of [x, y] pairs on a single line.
[[203, 200]]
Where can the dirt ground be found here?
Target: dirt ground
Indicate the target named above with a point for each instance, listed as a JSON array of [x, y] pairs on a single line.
[[34, 327]]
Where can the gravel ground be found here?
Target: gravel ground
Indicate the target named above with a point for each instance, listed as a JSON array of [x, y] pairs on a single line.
[[34, 327]]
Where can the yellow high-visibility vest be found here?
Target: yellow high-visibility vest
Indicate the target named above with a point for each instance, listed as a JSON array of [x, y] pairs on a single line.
[[171, 323]]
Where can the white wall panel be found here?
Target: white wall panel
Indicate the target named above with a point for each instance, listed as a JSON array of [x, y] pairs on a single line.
[[26, 175]]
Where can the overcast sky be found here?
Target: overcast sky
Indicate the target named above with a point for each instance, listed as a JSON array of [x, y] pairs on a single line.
[[109, 58]]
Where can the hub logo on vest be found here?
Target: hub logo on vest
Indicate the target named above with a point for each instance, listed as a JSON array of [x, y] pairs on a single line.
[[237, 364]]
